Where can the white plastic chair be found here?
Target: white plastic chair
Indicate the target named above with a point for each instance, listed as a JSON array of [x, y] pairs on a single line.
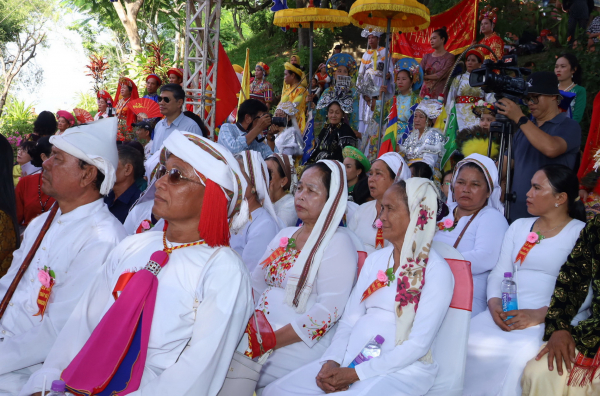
[[450, 345]]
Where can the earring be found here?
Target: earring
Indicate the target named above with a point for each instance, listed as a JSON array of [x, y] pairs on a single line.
[[556, 205]]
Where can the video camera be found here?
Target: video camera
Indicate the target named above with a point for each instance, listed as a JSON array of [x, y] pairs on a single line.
[[503, 78]]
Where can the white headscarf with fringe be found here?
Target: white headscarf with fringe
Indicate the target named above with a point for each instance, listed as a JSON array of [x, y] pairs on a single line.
[[490, 171], [258, 173], [422, 205], [397, 165], [302, 275]]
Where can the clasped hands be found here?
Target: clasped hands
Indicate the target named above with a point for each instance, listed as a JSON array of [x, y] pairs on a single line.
[[333, 378]]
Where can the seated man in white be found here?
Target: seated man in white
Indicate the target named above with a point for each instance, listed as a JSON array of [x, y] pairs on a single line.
[[180, 324], [45, 282], [391, 287]]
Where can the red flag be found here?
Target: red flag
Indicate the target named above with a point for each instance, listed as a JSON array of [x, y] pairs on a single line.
[[461, 31], [228, 87]]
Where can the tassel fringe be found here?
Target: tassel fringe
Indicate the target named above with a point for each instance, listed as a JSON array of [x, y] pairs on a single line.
[[213, 227], [240, 219], [581, 376]]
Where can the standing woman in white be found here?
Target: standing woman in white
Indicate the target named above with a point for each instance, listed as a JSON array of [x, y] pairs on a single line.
[[475, 225], [282, 185], [407, 311], [303, 280], [385, 170], [534, 249]]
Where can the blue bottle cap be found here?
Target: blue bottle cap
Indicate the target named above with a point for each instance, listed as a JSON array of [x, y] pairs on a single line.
[[379, 339], [508, 274]]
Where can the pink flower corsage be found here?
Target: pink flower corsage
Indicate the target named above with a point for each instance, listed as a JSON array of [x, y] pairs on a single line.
[[146, 225], [534, 237], [382, 276], [446, 225], [287, 243], [378, 223], [46, 276], [283, 241]]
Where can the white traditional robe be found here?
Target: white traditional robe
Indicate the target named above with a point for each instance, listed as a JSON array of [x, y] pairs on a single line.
[[460, 88], [397, 371], [480, 245], [496, 358], [220, 289], [325, 305], [367, 66], [75, 247], [362, 221], [252, 240], [139, 213], [286, 210]]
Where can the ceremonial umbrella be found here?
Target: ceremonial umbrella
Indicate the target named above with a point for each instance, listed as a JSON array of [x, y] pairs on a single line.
[[396, 16], [314, 17]]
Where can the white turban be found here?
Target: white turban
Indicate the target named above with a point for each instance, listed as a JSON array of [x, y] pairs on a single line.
[[216, 163], [397, 165], [490, 171], [95, 144], [258, 173]]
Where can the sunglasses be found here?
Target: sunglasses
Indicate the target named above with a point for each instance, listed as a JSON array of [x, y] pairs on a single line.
[[175, 176], [161, 98]]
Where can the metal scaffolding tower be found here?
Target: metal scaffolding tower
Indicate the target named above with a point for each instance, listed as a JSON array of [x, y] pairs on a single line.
[[201, 54]]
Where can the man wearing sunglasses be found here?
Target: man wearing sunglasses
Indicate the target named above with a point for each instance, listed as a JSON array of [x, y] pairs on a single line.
[[551, 138], [170, 101], [247, 134]]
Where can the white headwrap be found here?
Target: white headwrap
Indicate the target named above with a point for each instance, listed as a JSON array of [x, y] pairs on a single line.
[[422, 205], [202, 154], [397, 165], [299, 287], [95, 144], [490, 171], [258, 173]]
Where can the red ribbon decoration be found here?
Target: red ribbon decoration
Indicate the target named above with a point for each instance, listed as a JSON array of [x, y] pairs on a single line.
[[43, 297], [121, 283], [379, 238], [376, 285], [527, 246], [276, 253]]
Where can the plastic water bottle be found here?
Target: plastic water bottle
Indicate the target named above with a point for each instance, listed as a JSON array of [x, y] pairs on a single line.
[[58, 388], [509, 294], [371, 350]]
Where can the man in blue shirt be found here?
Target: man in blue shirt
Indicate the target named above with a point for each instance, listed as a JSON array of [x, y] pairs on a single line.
[[125, 191], [171, 101], [551, 138], [153, 82], [247, 133]]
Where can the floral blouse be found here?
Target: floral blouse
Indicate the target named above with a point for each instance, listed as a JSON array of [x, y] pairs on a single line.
[[331, 289], [124, 131]]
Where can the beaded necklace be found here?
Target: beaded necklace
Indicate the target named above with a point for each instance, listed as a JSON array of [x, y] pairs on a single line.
[[168, 249]]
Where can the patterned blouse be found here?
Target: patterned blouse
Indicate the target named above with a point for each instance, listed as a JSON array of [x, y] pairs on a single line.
[[261, 90], [496, 43], [124, 131], [572, 286]]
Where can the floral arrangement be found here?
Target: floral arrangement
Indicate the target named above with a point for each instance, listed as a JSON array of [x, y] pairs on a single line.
[[386, 276], [287, 243], [446, 225], [46, 277], [535, 238]]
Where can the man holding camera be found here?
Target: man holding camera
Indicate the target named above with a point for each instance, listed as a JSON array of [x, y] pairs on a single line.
[[551, 138], [247, 133]]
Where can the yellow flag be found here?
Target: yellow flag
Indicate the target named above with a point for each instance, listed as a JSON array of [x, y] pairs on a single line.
[[245, 91]]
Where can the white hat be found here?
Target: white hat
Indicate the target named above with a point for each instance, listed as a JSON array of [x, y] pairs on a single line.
[[371, 32], [96, 144]]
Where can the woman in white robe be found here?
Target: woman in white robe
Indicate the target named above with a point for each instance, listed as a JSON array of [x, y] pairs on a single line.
[[252, 240], [187, 354], [282, 185], [302, 317], [385, 170], [405, 365], [475, 224], [499, 348]]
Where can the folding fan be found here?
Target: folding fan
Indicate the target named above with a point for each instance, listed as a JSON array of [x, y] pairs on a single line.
[[147, 108], [83, 116]]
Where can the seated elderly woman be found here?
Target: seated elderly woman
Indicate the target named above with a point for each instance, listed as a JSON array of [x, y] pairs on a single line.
[[364, 223], [304, 278], [533, 251], [394, 299], [336, 133], [252, 240], [282, 185], [475, 225]]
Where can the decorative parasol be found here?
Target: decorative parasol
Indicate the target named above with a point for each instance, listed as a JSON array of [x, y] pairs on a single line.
[[313, 17], [83, 116], [147, 108], [394, 16]]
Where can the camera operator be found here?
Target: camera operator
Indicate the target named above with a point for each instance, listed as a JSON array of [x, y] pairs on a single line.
[[551, 138], [247, 133]]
